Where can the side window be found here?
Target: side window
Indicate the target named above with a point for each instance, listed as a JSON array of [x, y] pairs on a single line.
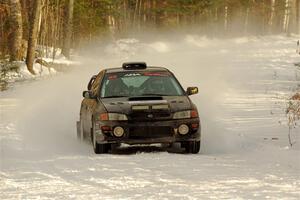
[[96, 83], [89, 87]]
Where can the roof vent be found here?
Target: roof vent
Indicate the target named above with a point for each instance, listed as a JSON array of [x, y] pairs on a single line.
[[134, 65]]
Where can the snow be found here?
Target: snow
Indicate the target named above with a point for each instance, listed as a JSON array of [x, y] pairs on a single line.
[[244, 86], [60, 60], [22, 74], [160, 47]]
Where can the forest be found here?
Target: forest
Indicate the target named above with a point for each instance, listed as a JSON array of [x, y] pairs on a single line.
[[26, 25]]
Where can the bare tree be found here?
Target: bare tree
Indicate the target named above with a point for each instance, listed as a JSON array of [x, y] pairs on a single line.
[[33, 34], [298, 16], [68, 28], [272, 15], [226, 18], [15, 37], [286, 16], [246, 20]]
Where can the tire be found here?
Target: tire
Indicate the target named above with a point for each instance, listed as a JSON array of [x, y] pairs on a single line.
[[191, 147], [115, 146], [99, 148]]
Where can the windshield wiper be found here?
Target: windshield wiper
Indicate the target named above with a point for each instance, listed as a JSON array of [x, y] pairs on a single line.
[[115, 96]]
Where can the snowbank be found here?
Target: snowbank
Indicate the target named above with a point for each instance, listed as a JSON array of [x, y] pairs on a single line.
[[21, 72], [17, 71]]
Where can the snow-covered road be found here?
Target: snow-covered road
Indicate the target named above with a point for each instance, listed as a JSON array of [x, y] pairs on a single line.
[[245, 154]]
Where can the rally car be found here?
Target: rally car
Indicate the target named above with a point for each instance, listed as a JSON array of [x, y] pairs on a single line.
[[138, 104]]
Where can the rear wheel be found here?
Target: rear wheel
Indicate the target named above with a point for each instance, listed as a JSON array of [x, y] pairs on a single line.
[[191, 146]]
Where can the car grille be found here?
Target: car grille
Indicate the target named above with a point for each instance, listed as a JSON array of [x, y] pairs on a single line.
[[143, 116], [150, 132]]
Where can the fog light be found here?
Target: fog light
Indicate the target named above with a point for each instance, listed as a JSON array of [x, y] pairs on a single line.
[[118, 131], [183, 129]]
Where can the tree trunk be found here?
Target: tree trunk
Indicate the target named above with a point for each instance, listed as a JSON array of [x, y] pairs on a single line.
[[68, 29], [226, 18], [286, 17], [216, 16], [17, 31], [298, 16], [125, 16], [161, 13], [33, 33], [56, 28], [292, 27], [140, 14], [154, 11], [135, 15], [270, 30], [246, 21]]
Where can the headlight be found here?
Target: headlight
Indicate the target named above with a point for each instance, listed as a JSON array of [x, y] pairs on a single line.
[[117, 117], [113, 117], [182, 114], [185, 114]]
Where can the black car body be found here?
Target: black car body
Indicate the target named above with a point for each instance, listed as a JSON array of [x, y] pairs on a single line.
[[137, 104]]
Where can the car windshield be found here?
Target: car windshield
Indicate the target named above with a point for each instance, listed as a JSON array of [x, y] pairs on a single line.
[[129, 84]]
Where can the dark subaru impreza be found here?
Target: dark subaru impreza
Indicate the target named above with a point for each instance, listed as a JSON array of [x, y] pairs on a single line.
[[137, 104]]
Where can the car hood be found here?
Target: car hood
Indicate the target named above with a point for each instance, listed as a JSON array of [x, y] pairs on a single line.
[[124, 104]]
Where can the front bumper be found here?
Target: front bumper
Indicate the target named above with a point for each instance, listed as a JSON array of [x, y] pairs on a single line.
[[148, 132]]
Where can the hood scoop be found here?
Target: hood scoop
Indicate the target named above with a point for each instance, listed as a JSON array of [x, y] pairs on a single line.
[[145, 98]]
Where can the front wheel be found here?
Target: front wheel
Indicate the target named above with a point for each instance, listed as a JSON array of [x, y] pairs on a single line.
[[99, 148], [192, 147]]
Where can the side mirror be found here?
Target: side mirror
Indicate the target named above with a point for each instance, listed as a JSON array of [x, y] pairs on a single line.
[[88, 95], [192, 90]]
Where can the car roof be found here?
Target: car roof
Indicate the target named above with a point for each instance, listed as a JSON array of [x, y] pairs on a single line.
[[148, 69]]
